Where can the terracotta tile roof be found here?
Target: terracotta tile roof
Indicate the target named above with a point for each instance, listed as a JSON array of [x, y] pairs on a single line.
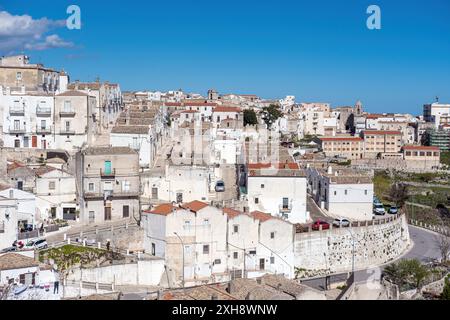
[[226, 109], [289, 165], [15, 165], [132, 129], [12, 261], [423, 148], [381, 132], [199, 104], [43, 170], [341, 139], [194, 206], [231, 213], [173, 104], [163, 209], [261, 216]]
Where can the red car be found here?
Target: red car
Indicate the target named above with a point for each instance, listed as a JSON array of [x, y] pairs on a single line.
[[316, 225]]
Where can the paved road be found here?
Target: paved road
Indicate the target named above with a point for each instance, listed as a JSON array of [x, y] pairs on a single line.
[[425, 248]]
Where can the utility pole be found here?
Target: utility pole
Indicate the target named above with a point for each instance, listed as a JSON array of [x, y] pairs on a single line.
[[182, 244]]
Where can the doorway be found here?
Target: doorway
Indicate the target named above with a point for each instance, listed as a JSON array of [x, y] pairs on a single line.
[[262, 264]]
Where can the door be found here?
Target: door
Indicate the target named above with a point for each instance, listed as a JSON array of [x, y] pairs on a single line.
[[20, 185], [17, 143], [108, 167], [44, 144], [26, 143], [126, 211], [107, 213], [34, 141], [262, 263]]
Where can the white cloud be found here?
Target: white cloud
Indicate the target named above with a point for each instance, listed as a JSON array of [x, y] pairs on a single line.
[[24, 32]]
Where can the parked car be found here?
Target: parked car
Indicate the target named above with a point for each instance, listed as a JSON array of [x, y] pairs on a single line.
[[341, 223], [316, 225], [10, 249], [220, 186], [393, 210], [37, 244], [378, 209]]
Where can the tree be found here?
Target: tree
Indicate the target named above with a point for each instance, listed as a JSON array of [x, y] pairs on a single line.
[[271, 114], [250, 117], [399, 194], [445, 295], [417, 271], [444, 246]]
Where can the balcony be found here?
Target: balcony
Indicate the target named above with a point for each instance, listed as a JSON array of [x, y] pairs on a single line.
[[67, 113], [17, 111], [67, 132], [44, 130], [108, 174], [17, 130], [43, 112], [285, 209], [111, 195]]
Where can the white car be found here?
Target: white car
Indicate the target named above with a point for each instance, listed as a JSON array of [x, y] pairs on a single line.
[[378, 209], [37, 244], [341, 223]]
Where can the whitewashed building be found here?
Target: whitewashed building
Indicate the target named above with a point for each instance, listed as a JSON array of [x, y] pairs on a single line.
[[279, 190], [26, 204], [8, 222]]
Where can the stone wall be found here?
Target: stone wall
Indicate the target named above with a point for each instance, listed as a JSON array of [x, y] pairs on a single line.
[[331, 251]]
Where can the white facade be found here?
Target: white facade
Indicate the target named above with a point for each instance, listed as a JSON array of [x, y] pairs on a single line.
[[8, 222], [344, 197], [280, 196], [437, 113], [27, 120], [55, 191], [26, 204], [143, 143]]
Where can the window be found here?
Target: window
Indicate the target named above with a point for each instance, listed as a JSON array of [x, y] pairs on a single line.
[[206, 249], [67, 126], [256, 200], [205, 221], [235, 255], [285, 203], [91, 187], [126, 211], [252, 252], [217, 261], [16, 124], [235, 229], [108, 167], [17, 143], [153, 249], [43, 124], [272, 235], [346, 192], [126, 186], [365, 192], [272, 260], [67, 106], [262, 186], [51, 185], [19, 76], [179, 197], [335, 193], [91, 216]]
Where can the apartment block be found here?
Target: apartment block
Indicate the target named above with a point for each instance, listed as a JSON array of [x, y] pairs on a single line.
[[378, 143]]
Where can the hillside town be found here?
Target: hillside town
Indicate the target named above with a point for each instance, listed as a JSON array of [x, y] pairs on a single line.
[[147, 195]]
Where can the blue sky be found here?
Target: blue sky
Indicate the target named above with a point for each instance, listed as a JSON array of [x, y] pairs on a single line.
[[315, 50]]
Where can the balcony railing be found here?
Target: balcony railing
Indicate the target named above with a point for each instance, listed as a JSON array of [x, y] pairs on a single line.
[[43, 112], [44, 130], [67, 132], [17, 111], [17, 130], [285, 209], [67, 113], [108, 174], [111, 194]]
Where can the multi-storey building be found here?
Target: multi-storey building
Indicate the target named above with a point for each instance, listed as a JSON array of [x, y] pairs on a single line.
[[279, 190], [378, 143], [108, 184], [18, 74], [437, 138], [437, 113], [75, 121], [343, 146]]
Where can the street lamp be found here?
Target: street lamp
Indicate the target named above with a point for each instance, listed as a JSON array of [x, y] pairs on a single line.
[[182, 243]]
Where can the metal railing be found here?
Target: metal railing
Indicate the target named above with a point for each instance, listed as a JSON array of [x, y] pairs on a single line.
[[67, 113], [67, 131], [43, 112], [43, 130], [19, 129], [18, 111]]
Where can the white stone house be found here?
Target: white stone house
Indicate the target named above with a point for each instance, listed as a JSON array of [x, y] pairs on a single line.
[[27, 120], [279, 190], [8, 222], [191, 238], [55, 193], [18, 268], [342, 192], [26, 204]]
